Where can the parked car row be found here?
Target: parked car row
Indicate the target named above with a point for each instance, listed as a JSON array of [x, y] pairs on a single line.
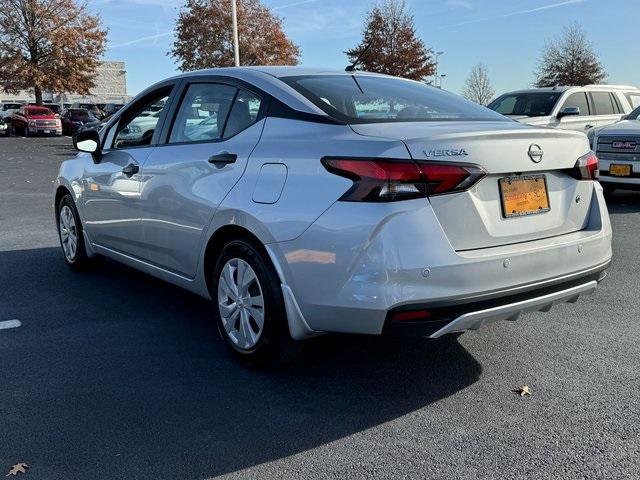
[[51, 119]]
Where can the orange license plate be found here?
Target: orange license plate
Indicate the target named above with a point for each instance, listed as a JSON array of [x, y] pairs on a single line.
[[620, 170], [524, 195]]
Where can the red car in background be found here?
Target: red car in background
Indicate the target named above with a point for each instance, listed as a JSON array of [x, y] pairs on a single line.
[[33, 120]]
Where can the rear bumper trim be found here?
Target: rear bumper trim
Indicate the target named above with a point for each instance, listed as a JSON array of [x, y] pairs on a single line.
[[475, 320]]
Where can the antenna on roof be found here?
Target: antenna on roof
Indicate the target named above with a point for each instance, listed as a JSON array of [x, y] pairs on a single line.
[[352, 67]]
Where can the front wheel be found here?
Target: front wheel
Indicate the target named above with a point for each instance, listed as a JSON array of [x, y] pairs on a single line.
[[250, 311], [71, 237]]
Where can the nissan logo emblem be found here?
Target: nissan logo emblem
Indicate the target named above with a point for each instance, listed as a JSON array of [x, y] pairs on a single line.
[[535, 153]]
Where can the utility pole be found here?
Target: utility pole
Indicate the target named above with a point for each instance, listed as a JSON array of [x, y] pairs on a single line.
[[435, 75], [236, 48]]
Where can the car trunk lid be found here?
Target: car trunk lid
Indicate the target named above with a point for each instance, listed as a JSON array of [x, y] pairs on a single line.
[[476, 218]]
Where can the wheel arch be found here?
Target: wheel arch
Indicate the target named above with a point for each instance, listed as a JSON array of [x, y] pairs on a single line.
[[298, 327], [61, 191], [224, 235]]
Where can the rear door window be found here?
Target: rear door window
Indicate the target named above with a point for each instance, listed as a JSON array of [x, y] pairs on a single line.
[[578, 100], [244, 113], [602, 103], [203, 113]]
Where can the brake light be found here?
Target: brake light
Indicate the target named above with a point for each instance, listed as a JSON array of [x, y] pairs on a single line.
[[587, 167], [387, 180]]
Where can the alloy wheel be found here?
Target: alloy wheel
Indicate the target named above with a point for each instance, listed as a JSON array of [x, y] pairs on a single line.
[[68, 233]]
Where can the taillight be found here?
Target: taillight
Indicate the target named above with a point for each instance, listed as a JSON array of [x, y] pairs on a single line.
[[387, 180], [587, 167]]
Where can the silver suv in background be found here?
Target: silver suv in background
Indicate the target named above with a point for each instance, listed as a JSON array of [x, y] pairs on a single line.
[[569, 108]]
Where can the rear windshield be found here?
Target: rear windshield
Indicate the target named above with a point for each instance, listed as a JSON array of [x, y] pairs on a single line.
[[371, 99], [533, 104]]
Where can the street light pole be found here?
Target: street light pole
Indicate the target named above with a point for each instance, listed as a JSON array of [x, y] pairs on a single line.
[[236, 48], [435, 75]]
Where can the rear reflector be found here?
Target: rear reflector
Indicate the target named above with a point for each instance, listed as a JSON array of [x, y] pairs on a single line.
[[409, 316], [387, 180]]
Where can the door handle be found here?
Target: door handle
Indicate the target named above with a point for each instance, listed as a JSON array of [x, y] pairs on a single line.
[[224, 157], [587, 127], [131, 169]]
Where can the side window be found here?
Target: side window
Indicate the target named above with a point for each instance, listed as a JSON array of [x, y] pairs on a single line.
[[578, 100], [203, 113], [634, 99], [243, 114], [138, 124], [602, 103]]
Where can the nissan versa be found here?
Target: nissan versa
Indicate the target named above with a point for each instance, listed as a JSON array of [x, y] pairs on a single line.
[[305, 201]]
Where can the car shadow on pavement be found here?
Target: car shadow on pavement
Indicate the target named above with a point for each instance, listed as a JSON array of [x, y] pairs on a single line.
[[623, 201], [114, 374]]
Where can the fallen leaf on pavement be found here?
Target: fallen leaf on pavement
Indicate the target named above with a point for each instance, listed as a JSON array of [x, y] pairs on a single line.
[[18, 468], [524, 390]]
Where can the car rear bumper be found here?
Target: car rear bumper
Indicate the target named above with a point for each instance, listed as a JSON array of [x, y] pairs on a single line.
[[459, 317], [354, 265]]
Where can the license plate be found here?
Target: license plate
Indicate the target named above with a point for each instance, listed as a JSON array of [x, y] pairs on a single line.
[[524, 195], [620, 170], [45, 131]]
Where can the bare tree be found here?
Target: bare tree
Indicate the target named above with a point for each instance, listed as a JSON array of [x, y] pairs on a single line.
[[48, 45], [477, 87], [569, 60], [389, 43], [204, 36]]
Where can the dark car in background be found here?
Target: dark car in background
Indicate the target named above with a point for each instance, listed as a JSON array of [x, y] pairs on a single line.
[[92, 107], [76, 120], [33, 120], [54, 107]]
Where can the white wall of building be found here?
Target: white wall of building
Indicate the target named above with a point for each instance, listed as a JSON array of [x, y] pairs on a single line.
[[111, 87]]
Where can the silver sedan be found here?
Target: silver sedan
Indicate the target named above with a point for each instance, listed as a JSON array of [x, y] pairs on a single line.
[[303, 202]]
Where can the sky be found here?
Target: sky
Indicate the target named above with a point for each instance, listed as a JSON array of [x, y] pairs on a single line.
[[506, 35]]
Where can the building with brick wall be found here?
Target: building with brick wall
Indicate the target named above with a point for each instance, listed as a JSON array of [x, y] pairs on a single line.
[[111, 87]]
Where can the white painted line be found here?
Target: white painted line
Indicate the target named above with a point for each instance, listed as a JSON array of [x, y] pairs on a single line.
[[10, 324]]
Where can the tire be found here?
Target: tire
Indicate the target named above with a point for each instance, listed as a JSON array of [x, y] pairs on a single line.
[[71, 238], [238, 317], [608, 190]]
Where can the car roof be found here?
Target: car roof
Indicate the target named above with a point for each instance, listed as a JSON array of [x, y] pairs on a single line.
[[274, 71], [564, 88], [268, 79]]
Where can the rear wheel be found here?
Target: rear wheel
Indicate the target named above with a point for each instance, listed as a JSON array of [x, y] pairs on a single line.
[[71, 237], [250, 311]]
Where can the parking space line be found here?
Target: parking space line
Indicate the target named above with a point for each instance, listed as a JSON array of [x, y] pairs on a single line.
[[10, 324]]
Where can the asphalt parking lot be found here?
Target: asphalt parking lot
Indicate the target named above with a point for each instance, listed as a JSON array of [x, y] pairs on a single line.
[[113, 374]]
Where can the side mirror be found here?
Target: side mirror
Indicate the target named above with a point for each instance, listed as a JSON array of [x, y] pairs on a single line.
[[88, 141], [569, 112]]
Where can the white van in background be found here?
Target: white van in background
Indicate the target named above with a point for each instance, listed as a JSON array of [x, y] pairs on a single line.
[[569, 108]]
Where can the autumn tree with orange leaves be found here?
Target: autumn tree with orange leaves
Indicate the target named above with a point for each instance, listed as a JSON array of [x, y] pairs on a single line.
[[48, 45], [390, 45], [203, 36]]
